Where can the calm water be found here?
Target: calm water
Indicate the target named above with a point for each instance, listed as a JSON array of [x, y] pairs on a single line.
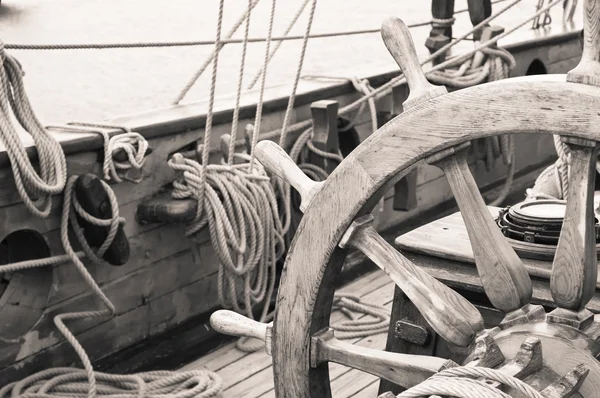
[[93, 85]]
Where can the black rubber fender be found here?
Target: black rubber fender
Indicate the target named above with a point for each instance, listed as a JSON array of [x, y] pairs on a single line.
[[93, 199]]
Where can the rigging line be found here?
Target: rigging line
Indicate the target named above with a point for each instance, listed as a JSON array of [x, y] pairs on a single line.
[[211, 103], [400, 79], [193, 43], [285, 187], [278, 44], [259, 106], [236, 110], [383, 89], [218, 45], [290, 105]]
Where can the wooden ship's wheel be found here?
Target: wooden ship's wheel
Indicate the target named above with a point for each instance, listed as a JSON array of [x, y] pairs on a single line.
[[553, 353]]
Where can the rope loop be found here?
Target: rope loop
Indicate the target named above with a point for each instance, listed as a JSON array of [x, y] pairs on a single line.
[[352, 306], [239, 206], [34, 189]]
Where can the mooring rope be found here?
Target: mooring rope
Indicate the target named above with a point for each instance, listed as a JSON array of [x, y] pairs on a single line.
[[52, 180], [352, 306], [463, 382], [53, 167], [238, 204], [133, 144], [72, 382]]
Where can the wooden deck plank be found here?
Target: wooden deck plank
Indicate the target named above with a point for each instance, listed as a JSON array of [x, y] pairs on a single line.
[[253, 365], [369, 391], [251, 375], [228, 354]]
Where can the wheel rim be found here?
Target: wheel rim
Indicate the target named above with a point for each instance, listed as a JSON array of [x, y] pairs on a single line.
[[546, 104]]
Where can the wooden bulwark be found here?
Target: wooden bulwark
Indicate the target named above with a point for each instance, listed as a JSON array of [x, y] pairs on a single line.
[[168, 278]]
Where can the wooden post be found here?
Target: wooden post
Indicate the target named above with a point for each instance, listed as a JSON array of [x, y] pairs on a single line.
[[405, 190], [441, 33], [478, 11], [325, 132]]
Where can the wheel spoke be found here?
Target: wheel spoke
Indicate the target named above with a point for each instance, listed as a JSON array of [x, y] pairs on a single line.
[[233, 324], [448, 313], [574, 270], [403, 369], [503, 275], [276, 161]]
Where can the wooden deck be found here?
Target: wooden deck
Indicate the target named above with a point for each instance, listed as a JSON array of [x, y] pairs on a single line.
[[250, 375]]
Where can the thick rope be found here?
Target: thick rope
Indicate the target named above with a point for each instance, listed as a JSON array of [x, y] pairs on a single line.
[[133, 144], [352, 306], [52, 163], [553, 182], [71, 382], [238, 204], [464, 382], [386, 88]]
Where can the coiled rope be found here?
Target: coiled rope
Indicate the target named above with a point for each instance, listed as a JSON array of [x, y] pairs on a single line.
[[352, 307], [462, 382], [497, 66], [52, 180], [133, 144], [72, 382], [238, 203], [53, 167]]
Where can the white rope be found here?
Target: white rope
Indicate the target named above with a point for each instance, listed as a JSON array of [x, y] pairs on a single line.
[[133, 144], [238, 204], [259, 105], [463, 382], [52, 163], [75, 383], [352, 307], [553, 182]]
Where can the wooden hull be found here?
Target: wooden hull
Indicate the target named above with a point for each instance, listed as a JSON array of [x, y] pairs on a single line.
[[170, 281]]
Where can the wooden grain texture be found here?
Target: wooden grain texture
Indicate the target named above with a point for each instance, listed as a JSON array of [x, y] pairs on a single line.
[[449, 314], [115, 334], [278, 162], [403, 308], [447, 238], [403, 369], [398, 41], [502, 273], [575, 268], [588, 69], [325, 132], [234, 324], [181, 126], [563, 349], [534, 104]]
